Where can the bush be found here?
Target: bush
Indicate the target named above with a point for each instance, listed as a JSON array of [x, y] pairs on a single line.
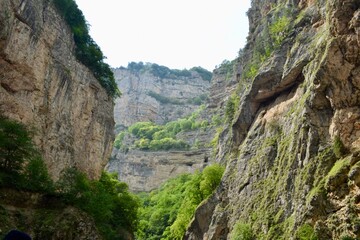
[[232, 106], [107, 200], [16, 146], [163, 99], [279, 29], [242, 231], [306, 232], [338, 147], [37, 177]]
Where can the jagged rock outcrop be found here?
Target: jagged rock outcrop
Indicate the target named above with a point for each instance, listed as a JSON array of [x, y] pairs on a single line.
[[292, 149], [44, 86], [150, 95]]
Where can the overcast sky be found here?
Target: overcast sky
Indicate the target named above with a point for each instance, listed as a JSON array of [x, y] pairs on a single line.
[[175, 33]]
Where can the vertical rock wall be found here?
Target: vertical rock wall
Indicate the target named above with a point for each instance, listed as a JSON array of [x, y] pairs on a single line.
[[292, 149], [44, 86]]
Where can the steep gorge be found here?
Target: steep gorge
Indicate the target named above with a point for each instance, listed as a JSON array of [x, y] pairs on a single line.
[[292, 149]]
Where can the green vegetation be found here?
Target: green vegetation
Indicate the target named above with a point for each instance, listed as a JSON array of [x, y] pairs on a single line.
[[108, 201], [16, 146], [150, 136], [205, 74], [338, 147], [269, 40], [20, 163], [227, 67], [87, 51], [306, 232], [168, 100], [198, 100], [242, 231], [166, 212], [165, 72], [232, 106], [119, 139], [279, 30], [163, 99]]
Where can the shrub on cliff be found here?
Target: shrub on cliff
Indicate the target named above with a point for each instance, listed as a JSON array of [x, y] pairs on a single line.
[[166, 212], [16, 146], [87, 51], [21, 165]]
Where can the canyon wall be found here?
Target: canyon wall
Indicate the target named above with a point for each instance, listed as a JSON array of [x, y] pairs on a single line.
[[148, 95], [158, 94], [292, 148], [43, 86]]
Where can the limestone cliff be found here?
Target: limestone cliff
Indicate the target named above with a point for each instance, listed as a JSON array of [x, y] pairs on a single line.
[[44, 86], [292, 147], [158, 94]]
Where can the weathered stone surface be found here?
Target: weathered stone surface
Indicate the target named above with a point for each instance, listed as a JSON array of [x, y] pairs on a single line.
[[137, 104], [44, 86], [284, 167], [145, 171]]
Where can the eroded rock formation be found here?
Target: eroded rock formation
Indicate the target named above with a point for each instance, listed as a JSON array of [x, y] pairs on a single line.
[[147, 96], [44, 86], [292, 150]]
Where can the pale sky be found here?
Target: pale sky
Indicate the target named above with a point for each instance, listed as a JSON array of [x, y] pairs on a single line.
[[175, 33]]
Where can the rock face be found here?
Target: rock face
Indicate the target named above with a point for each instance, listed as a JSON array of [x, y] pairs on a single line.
[[158, 94], [44, 86], [146, 96], [292, 148], [146, 171]]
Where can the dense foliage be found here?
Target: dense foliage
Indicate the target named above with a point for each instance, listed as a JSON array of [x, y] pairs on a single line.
[[150, 136], [242, 231], [232, 105], [165, 72], [87, 51], [20, 163], [108, 201], [166, 212]]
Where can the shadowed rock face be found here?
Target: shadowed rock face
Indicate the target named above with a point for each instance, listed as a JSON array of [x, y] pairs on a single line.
[[44, 86], [292, 150]]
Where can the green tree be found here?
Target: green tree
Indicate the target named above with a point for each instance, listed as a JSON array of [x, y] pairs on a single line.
[[37, 177], [16, 146]]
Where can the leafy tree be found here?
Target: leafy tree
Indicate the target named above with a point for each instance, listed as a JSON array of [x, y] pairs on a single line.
[[107, 200], [37, 177], [16, 146]]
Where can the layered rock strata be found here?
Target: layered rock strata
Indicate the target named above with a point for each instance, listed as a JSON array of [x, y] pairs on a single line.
[[292, 149], [44, 86]]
